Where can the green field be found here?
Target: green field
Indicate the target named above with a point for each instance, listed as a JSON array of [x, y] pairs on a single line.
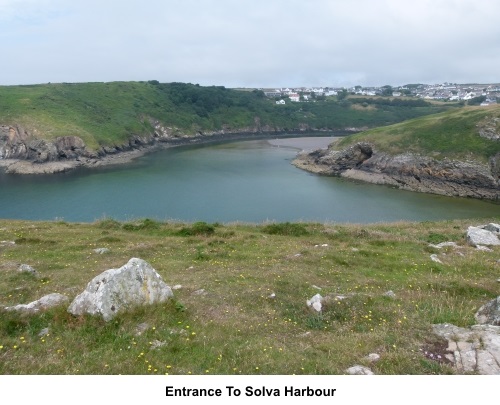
[[234, 326], [105, 114]]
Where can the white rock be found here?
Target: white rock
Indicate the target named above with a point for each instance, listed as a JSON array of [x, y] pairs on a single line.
[[101, 251], [492, 227], [389, 294], [317, 306], [359, 370], [177, 287], [26, 268], [44, 303], [435, 258], [373, 357], [200, 292], [484, 248], [444, 244], [477, 236], [43, 332], [118, 290], [315, 298]]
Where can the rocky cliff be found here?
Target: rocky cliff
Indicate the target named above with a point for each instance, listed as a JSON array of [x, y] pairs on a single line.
[[23, 153], [407, 171]]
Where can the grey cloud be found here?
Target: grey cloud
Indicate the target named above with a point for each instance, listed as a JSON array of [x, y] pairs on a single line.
[[251, 43]]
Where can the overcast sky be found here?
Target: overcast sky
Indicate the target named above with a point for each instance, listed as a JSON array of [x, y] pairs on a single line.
[[251, 43]]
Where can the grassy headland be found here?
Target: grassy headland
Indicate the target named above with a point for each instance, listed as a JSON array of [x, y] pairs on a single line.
[[224, 319], [105, 114], [453, 134]]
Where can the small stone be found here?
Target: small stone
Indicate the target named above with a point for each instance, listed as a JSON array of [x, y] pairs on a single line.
[[317, 306], [272, 296], [141, 328], [484, 248], [43, 332], [359, 370], [436, 259], [315, 298], [390, 294], [157, 343], [200, 292], [44, 303], [26, 268], [444, 244], [355, 249], [316, 287], [101, 251], [373, 357], [177, 287]]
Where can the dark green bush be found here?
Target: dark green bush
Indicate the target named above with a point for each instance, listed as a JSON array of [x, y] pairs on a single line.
[[285, 229]]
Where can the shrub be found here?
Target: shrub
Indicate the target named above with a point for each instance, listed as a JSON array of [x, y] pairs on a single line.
[[198, 228], [285, 229]]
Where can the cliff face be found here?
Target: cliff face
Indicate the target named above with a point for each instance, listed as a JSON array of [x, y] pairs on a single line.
[[16, 143], [23, 153], [407, 171]]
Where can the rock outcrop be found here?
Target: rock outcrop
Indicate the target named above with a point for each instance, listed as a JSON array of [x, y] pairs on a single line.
[[489, 313], [118, 290], [17, 143], [407, 171], [472, 350]]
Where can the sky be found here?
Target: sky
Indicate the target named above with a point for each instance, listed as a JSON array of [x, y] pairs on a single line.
[[251, 43]]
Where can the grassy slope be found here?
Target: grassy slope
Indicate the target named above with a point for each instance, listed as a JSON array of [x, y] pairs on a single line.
[[110, 113], [235, 328], [452, 134]]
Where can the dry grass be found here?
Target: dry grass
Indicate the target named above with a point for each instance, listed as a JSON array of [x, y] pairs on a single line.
[[235, 326]]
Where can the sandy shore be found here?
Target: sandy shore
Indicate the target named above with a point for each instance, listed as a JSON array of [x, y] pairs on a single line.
[[304, 144]]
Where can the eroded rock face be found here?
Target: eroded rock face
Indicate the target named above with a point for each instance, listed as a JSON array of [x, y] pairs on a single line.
[[17, 143], [118, 290], [406, 171], [13, 142]]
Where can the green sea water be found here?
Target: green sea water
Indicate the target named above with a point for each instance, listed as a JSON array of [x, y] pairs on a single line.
[[245, 181]]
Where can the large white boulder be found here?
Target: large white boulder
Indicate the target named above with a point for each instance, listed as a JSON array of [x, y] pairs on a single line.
[[117, 290], [479, 236]]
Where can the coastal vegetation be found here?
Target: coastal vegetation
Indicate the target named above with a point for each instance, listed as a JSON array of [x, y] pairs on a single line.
[[240, 302], [468, 133], [109, 114]]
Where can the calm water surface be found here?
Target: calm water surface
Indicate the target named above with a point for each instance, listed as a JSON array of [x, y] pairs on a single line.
[[247, 181]]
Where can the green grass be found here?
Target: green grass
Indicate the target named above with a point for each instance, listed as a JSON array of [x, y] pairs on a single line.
[[105, 114], [237, 327], [452, 134]]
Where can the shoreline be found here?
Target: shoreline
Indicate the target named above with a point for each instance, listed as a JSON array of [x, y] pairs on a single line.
[[27, 167]]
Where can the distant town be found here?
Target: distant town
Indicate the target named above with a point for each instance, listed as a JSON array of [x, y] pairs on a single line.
[[484, 94]]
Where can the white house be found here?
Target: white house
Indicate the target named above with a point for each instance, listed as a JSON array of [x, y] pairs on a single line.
[[294, 97], [280, 101]]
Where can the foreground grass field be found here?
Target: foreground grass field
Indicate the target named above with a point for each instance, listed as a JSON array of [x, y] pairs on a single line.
[[225, 319]]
